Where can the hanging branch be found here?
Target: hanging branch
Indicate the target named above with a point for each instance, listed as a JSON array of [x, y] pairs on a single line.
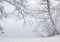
[[2, 13], [18, 8]]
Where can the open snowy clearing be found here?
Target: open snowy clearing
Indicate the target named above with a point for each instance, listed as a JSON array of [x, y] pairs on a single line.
[[17, 31]]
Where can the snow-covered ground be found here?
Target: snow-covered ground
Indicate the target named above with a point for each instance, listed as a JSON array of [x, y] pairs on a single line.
[[17, 29], [48, 39]]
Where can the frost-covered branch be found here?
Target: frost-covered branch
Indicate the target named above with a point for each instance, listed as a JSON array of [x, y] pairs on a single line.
[[2, 13]]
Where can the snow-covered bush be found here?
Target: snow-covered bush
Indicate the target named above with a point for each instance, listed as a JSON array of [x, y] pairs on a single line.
[[1, 29], [46, 29]]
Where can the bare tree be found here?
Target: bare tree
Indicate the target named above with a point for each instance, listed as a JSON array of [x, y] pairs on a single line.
[[20, 7], [47, 25]]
